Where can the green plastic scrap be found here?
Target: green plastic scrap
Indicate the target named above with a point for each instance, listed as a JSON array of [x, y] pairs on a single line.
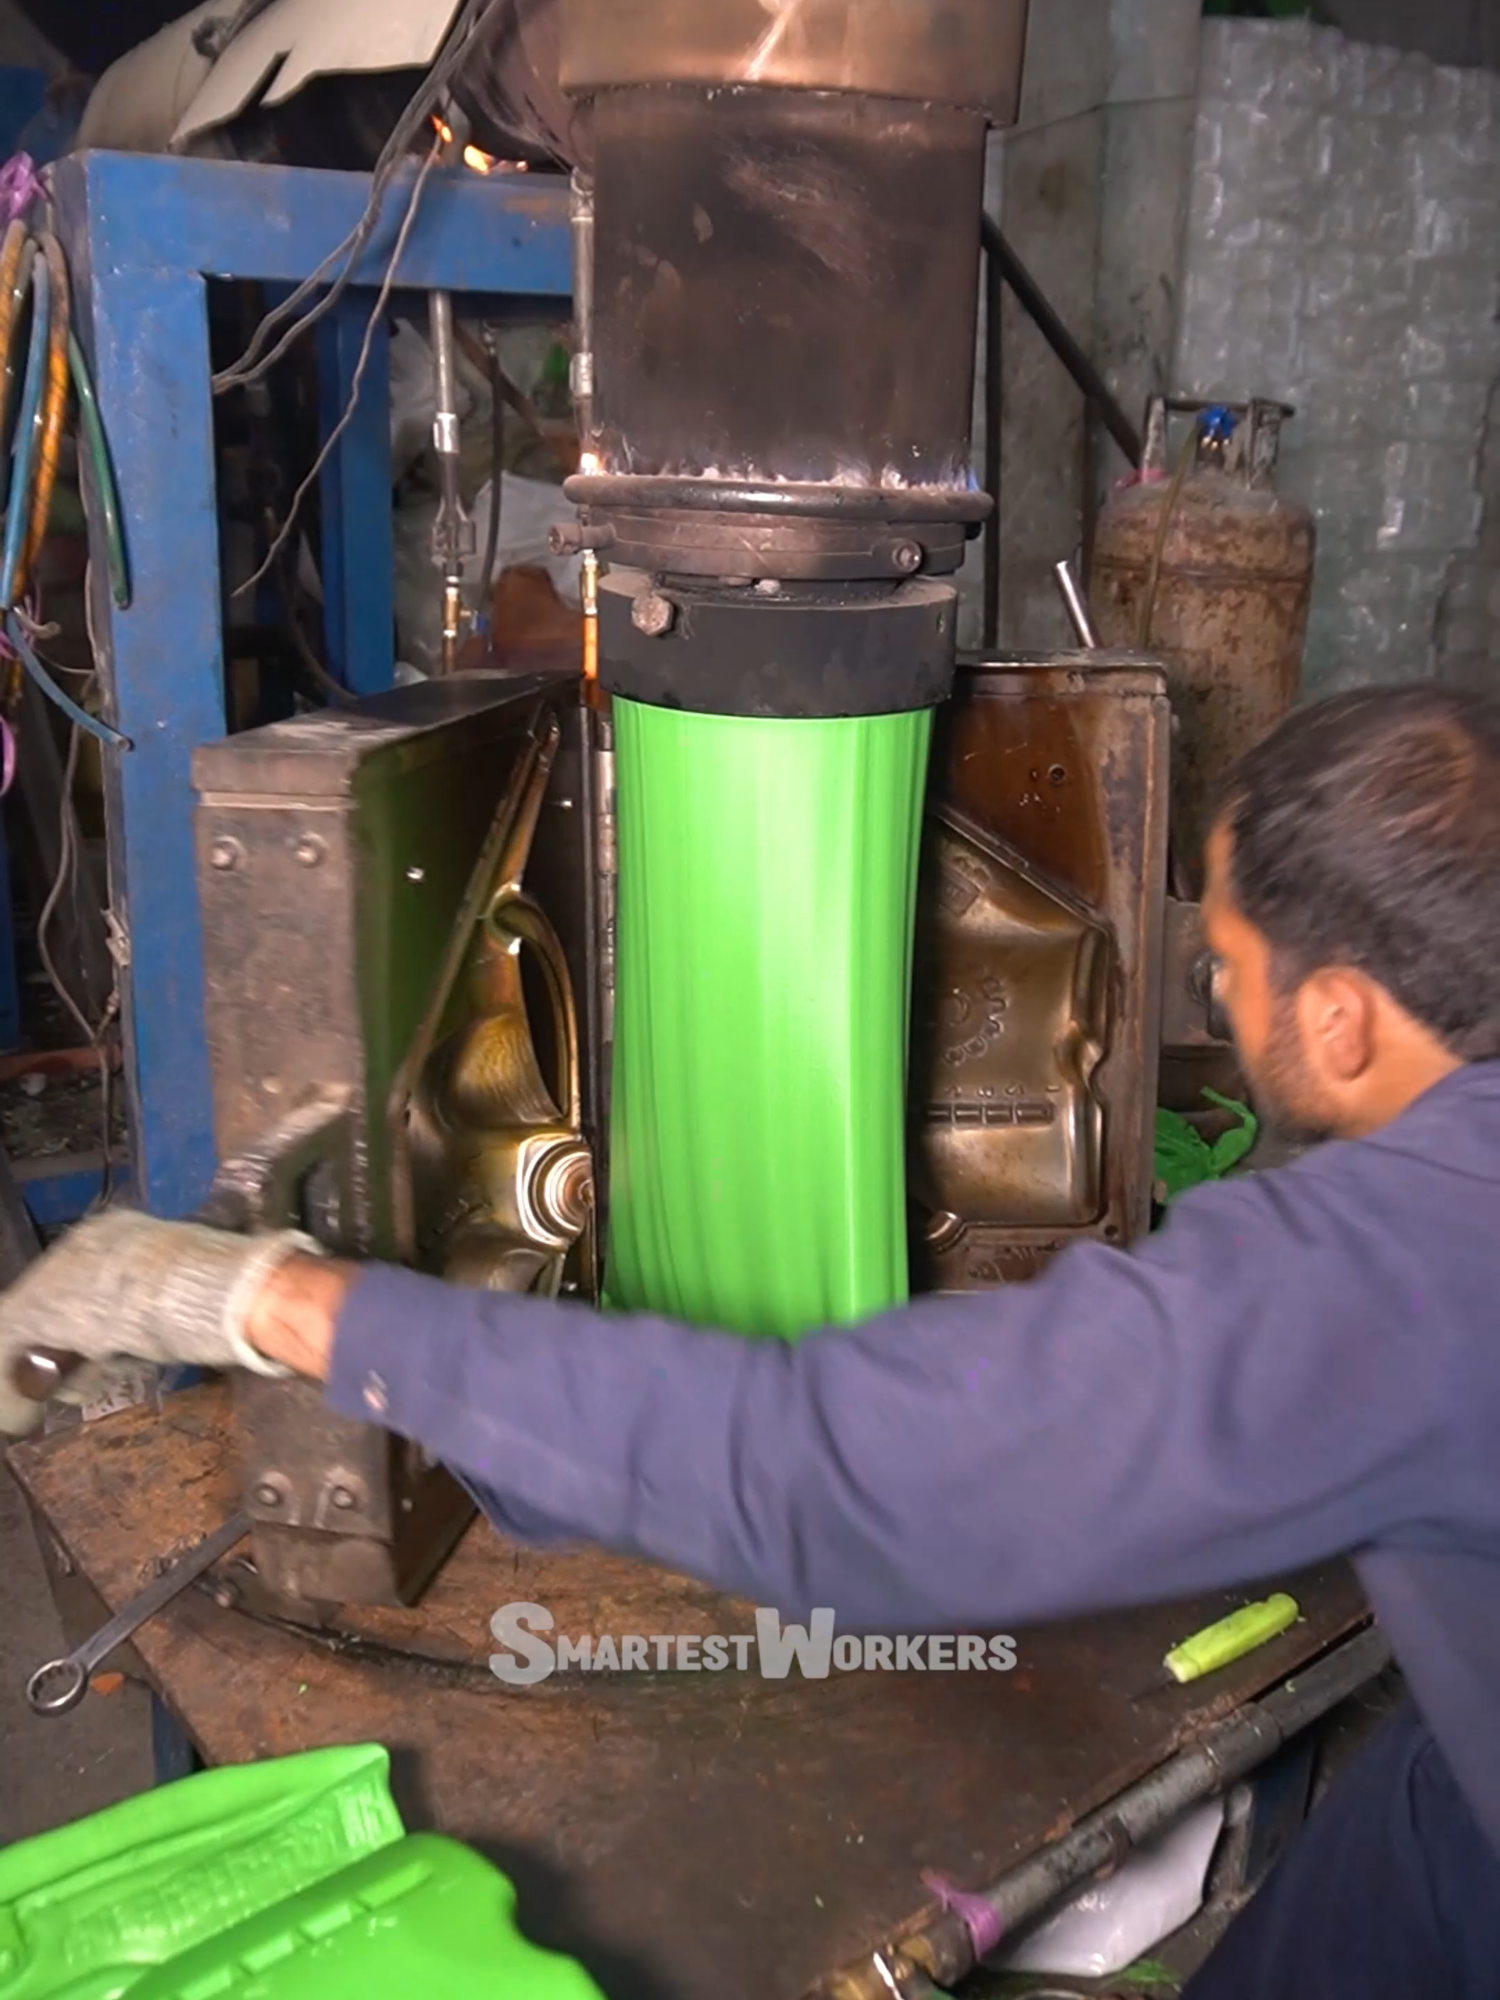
[[290, 1879], [1185, 1159], [767, 878]]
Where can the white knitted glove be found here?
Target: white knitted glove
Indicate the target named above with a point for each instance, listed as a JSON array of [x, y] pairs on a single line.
[[125, 1284]]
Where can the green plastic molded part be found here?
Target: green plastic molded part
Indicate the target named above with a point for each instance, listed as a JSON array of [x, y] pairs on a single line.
[[423, 1918], [280, 1879], [85, 1909], [767, 880]]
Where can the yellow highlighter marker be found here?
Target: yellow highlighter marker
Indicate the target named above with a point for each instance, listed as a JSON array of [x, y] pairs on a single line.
[[1230, 1639]]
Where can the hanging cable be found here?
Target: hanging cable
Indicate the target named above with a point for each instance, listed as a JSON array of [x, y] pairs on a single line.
[[333, 691], [357, 380], [254, 363], [54, 407], [17, 513], [80, 717], [16, 252], [37, 432], [91, 425], [97, 1036]]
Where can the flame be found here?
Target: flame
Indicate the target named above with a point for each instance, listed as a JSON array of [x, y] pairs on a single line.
[[588, 461], [474, 157]]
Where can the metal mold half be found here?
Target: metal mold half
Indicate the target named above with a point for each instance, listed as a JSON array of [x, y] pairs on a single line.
[[344, 991]]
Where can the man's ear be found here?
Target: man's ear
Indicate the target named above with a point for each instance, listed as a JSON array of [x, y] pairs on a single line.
[[1336, 1013]]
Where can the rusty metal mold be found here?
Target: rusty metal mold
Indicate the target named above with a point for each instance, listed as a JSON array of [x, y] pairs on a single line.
[[1037, 999], [346, 969]]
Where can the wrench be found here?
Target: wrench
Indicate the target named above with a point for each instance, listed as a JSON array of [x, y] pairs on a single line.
[[62, 1684]]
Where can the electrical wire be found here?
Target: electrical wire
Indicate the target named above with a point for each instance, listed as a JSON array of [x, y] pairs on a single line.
[[92, 426], [96, 1037], [17, 514], [54, 406], [15, 634], [333, 691], [253, 363], [16, 252], [356, 381]]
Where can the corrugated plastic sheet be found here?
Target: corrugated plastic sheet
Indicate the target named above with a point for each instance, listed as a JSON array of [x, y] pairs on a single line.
[[766, 889]]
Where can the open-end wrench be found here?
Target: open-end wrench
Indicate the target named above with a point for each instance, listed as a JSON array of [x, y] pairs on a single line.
[[62, 1684]]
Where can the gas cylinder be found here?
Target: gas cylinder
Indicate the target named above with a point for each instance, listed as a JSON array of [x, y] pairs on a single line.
[[1202, 563]]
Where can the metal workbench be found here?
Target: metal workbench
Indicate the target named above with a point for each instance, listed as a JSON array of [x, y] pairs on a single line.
[[145, 236], [684, 1835]]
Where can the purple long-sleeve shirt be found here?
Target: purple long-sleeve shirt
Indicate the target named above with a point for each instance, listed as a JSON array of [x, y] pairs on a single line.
[[1302, 1363]]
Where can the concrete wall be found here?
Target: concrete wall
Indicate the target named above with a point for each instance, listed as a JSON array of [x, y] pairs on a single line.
[[1344, 253]]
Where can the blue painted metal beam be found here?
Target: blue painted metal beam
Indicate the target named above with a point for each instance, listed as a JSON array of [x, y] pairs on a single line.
[[359, 607], [142, 233], [487, 234], [163, 666]]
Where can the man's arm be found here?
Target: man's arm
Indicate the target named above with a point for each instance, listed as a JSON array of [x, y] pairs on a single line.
[[1234, 1399]]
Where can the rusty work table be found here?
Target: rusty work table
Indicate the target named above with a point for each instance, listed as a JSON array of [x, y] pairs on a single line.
[[684, 1835]]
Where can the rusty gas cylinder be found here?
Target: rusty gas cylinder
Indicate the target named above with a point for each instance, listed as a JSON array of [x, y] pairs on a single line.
[[1202, 563]]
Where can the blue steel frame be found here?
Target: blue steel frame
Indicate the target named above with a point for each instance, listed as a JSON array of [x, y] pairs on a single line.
[[144, 235]]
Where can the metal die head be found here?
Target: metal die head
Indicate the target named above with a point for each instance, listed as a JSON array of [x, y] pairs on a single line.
[[493, 1179]]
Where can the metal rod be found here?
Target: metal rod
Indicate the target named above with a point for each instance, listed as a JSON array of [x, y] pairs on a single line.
[[581, 368], [448, 529], [1222, 1756], [942, 1947], [1063, 345], [1077, 608], [1088, 474], [993, 412]]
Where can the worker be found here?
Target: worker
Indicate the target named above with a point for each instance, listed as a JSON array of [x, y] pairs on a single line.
[[1301, 1363]]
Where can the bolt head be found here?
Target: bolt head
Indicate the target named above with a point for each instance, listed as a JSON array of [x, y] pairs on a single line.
[[907, 557], [225, 853], [309, 850], [267, 1495], [343, 1498], [652, 613]]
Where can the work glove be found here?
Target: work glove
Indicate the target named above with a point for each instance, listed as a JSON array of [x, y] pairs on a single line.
[[122, 1284]]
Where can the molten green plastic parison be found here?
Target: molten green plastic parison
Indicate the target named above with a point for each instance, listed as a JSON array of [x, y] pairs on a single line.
[[767, 879]]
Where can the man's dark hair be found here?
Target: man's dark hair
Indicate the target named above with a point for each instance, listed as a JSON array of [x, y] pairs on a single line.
[[1366, 833]]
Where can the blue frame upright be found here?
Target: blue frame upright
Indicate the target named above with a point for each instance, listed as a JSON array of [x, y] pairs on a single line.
[[144, 236]]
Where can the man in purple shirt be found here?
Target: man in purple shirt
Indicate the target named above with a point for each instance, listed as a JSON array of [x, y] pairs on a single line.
[[1302, 1363]]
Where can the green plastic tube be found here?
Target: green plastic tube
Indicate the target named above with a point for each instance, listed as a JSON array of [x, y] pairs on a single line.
[[767, 877]]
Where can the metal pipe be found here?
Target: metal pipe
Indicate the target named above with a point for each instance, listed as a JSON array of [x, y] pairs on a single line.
[[1222, 1756], [1063, 345], [1077, 609], [581, 367], [496, 375], [448, 529], [943, 1948], [993, 307]]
